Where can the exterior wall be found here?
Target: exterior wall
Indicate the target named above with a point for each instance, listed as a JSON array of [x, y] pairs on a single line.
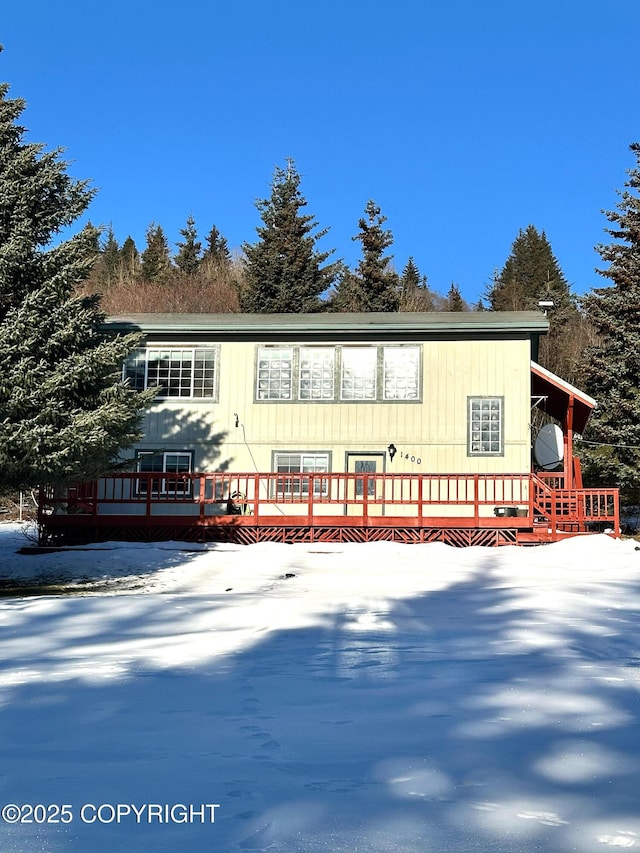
[[431, 434]]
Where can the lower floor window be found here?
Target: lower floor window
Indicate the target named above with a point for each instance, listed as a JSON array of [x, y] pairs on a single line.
[[485, 424], [171, 463], [292, 464]]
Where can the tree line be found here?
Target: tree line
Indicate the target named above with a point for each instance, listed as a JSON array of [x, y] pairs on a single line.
[[285, 271], [65, 412]]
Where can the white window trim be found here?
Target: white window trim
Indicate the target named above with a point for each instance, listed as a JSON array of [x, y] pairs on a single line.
[[163, 490], [192, 349], [325, 454]]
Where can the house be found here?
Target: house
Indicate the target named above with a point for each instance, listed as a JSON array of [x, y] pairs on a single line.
[[400, 425]]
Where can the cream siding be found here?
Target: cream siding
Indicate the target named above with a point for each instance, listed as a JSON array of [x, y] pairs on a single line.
[[433, 430]]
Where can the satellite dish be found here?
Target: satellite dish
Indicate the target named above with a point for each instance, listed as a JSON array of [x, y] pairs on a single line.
[[548, 449]]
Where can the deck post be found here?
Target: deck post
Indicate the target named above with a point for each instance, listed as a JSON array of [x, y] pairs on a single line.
[[532, 488], [365, 500], [256, 495], [567, 428], [148, 503], [202, 487], [312, 486], [476, 499]]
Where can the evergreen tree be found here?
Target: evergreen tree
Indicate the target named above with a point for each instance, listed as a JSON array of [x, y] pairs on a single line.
[[65, 412], [410, 281], [110, 256], [156, 259], [283, 270], [612, 368], [530, 275], [188, 258], [129, 266], [415, 294], [455, 302], [217, 249], [376, 285]]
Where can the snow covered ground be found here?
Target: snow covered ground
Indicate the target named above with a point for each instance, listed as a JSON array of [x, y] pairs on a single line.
[[322, 698]]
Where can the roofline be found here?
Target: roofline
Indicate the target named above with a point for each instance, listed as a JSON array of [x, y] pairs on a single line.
[[564, 385], [529, 322]]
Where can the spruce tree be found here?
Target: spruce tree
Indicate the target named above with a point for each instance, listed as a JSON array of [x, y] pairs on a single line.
[[283, 269], [156, 262], [217, 248], [411, 279], [612, 368], [530, 275], [129, 266], [110, 256], [455, 302], [64, 410], [188, 257], [377, 285], [415, 294]]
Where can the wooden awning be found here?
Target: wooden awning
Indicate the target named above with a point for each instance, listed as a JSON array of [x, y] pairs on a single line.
[[555, 396]]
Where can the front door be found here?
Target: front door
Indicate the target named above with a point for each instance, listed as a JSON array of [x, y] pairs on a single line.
[[366, 487]]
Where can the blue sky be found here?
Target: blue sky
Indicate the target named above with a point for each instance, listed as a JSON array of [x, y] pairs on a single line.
[[465, 121]]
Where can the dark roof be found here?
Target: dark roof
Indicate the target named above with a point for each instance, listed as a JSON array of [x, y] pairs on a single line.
[[453, 323]]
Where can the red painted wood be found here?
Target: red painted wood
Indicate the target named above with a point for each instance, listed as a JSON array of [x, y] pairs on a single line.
[[198, 502]]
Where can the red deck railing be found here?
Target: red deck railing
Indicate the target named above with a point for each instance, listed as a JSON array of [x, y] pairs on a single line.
[[517, 501]]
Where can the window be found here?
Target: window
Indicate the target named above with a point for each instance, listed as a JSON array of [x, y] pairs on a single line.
[[291, 464], [179, 372], [401, 373], [359, 369], [365, 466], [174, 464], [275, 374], [330, 373], [485, 420], [317, 373]]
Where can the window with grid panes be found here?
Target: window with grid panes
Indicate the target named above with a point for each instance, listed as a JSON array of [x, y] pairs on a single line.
[[401, 367], [179, 372], [161, 462], [485, 425], [300, 463], [359, 373], [275, 373], [316, 373]]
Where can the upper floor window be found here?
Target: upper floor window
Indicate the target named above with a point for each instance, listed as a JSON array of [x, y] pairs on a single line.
[[372, 373], [317, 371], [401, 373], [178, 372], [359, 373], [275, 373], [485, 426]]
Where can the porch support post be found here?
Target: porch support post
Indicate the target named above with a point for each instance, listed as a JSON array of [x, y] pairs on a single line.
[[567, 430]]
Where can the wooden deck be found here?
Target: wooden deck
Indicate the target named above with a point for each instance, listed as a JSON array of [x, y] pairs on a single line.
[[458, 509]]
